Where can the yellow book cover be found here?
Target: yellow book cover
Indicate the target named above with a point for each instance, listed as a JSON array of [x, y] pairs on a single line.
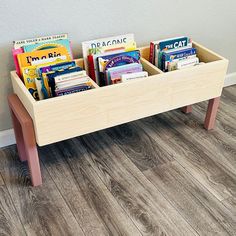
[[26, 58]]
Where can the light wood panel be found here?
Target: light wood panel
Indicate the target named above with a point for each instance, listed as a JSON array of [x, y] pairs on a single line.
[[65, 117]]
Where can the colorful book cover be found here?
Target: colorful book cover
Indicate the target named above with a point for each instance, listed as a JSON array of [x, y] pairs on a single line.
[[116, 72], [173, 55], [48, 45], [20, 43], [25, 59], [29, 74], [171, 44], [96, 44], [52, 74], [106, 62]]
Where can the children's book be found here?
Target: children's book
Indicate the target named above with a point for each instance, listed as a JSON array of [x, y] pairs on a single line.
[[25, 59], [51, 81], [15, 52], [20, 43], [89, 47], [175, 55], [115, 73], [133, 76], [114, 60], [48, 45]]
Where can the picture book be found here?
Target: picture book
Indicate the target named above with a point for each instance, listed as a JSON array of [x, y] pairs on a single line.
[[95, 45], [52, 74], [118, 59], [15, 52], [114, 60], [116, 72], [48, 45], [75, 89], [29, 75], [187, 63], [25, 59], [20, 43], [175, 55], [171, 44], [133, 76]]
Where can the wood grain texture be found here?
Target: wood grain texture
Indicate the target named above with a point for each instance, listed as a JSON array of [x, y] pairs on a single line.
[[134, 100], [201, 210], [144, 152], [42, 210], [98, 197], [94, 210], [132, 190], [9, 221], [164, 175], [191, 156]]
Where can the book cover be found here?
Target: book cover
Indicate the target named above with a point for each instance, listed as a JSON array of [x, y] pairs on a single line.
[[116, 72], [174, 55], [114, 60], [25, 59], [29, 74], [20, 43], [76, 89], [48, 45], [133, 76], [91, 68], [94, 45], [52, 74], [15, 52]]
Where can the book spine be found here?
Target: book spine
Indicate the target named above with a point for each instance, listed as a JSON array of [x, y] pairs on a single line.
[[15, 52], [91, 70], [72, 90], [151, 55]]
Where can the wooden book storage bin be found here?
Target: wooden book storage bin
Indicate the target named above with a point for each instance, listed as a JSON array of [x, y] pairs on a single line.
[[61, 118]]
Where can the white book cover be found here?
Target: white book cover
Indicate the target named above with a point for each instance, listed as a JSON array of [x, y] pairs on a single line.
[[132, 76], [104, 42]]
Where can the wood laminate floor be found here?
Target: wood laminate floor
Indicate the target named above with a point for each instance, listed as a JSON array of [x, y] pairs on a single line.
[[163, 175]]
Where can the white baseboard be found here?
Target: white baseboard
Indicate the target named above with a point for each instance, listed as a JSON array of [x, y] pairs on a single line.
[[230, 79], [7, 137]]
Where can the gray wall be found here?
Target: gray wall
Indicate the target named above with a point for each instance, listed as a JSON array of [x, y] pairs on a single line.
[[210, 22]]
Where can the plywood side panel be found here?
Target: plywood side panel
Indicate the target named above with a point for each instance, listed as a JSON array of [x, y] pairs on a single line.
[[78, 114]]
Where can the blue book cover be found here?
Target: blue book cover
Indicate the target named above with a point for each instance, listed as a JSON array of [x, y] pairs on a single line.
[[178, 54], [47, 45], [52, 74], [171, 44], [174, 43]]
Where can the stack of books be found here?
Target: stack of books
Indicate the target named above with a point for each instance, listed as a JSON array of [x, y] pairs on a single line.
[[113, 60], [47, 68], [173, 54]]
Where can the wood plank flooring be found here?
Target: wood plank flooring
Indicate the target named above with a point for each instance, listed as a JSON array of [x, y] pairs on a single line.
[[163, 175]]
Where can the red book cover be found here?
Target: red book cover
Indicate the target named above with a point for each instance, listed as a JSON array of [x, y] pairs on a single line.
[[15, 52], [91, 68], [151, 55]]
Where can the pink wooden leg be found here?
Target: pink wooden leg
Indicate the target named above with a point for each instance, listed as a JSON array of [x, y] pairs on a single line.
[[19, 137], [32, 153], [25, 137], [187, 109], [211, 113]]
